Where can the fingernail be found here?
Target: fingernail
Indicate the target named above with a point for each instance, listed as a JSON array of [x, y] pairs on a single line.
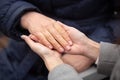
[[61, 50], [70, 42], [22, 36], [67, 47], [50, 47]]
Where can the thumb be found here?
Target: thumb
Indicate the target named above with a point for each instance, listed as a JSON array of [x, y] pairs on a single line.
[[36, 47], [27, 40], [33, 37]]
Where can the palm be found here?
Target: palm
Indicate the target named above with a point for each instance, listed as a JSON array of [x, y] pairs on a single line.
[[79, 62], [78, 41]]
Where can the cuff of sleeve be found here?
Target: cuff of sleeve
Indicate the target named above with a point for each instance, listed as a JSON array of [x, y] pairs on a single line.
[[12, 18], [96, 62], [63, 72], [109, 54]]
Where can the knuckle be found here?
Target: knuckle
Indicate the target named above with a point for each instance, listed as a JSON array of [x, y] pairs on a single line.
[[48, 25]]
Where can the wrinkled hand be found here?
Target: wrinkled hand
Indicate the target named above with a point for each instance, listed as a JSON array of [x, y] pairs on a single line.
[[79, 62], [50, 57], [47, 31], [82, 45]]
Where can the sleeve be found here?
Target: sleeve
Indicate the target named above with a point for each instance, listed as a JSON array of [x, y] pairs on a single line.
[[116, 71], [6, 67], [63, 72], [16, 66], [10, 13], [109, 55]]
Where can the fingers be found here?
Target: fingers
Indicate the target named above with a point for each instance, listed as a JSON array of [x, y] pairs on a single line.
[[35, 46], [52, 36], [68, 29], [46, 39], [28, 40], [53, 41], [58, 39], [63, 25], [43, 40], [38, 48], [63, 32], [34, 38]]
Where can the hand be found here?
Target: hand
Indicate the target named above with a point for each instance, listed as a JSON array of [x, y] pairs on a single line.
[[79, 62], [50, 57], [47, 31], [82, 45]]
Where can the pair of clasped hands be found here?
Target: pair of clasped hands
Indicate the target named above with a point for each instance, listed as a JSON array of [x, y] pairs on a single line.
[[50, 39]]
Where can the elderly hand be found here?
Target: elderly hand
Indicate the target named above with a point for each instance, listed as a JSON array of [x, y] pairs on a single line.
[[47, 31]]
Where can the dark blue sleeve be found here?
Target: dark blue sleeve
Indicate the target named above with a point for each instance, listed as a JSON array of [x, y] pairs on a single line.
[[11, 68], [6, 68], [10, 13]]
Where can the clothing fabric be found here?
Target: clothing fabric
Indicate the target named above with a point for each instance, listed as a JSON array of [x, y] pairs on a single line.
[[116, 71], [63, 72], [89, 16], [18, 62], [109, 55]]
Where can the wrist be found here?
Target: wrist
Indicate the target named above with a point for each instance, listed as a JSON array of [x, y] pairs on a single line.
[[52, 62], [24, 21], [92, 49]]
